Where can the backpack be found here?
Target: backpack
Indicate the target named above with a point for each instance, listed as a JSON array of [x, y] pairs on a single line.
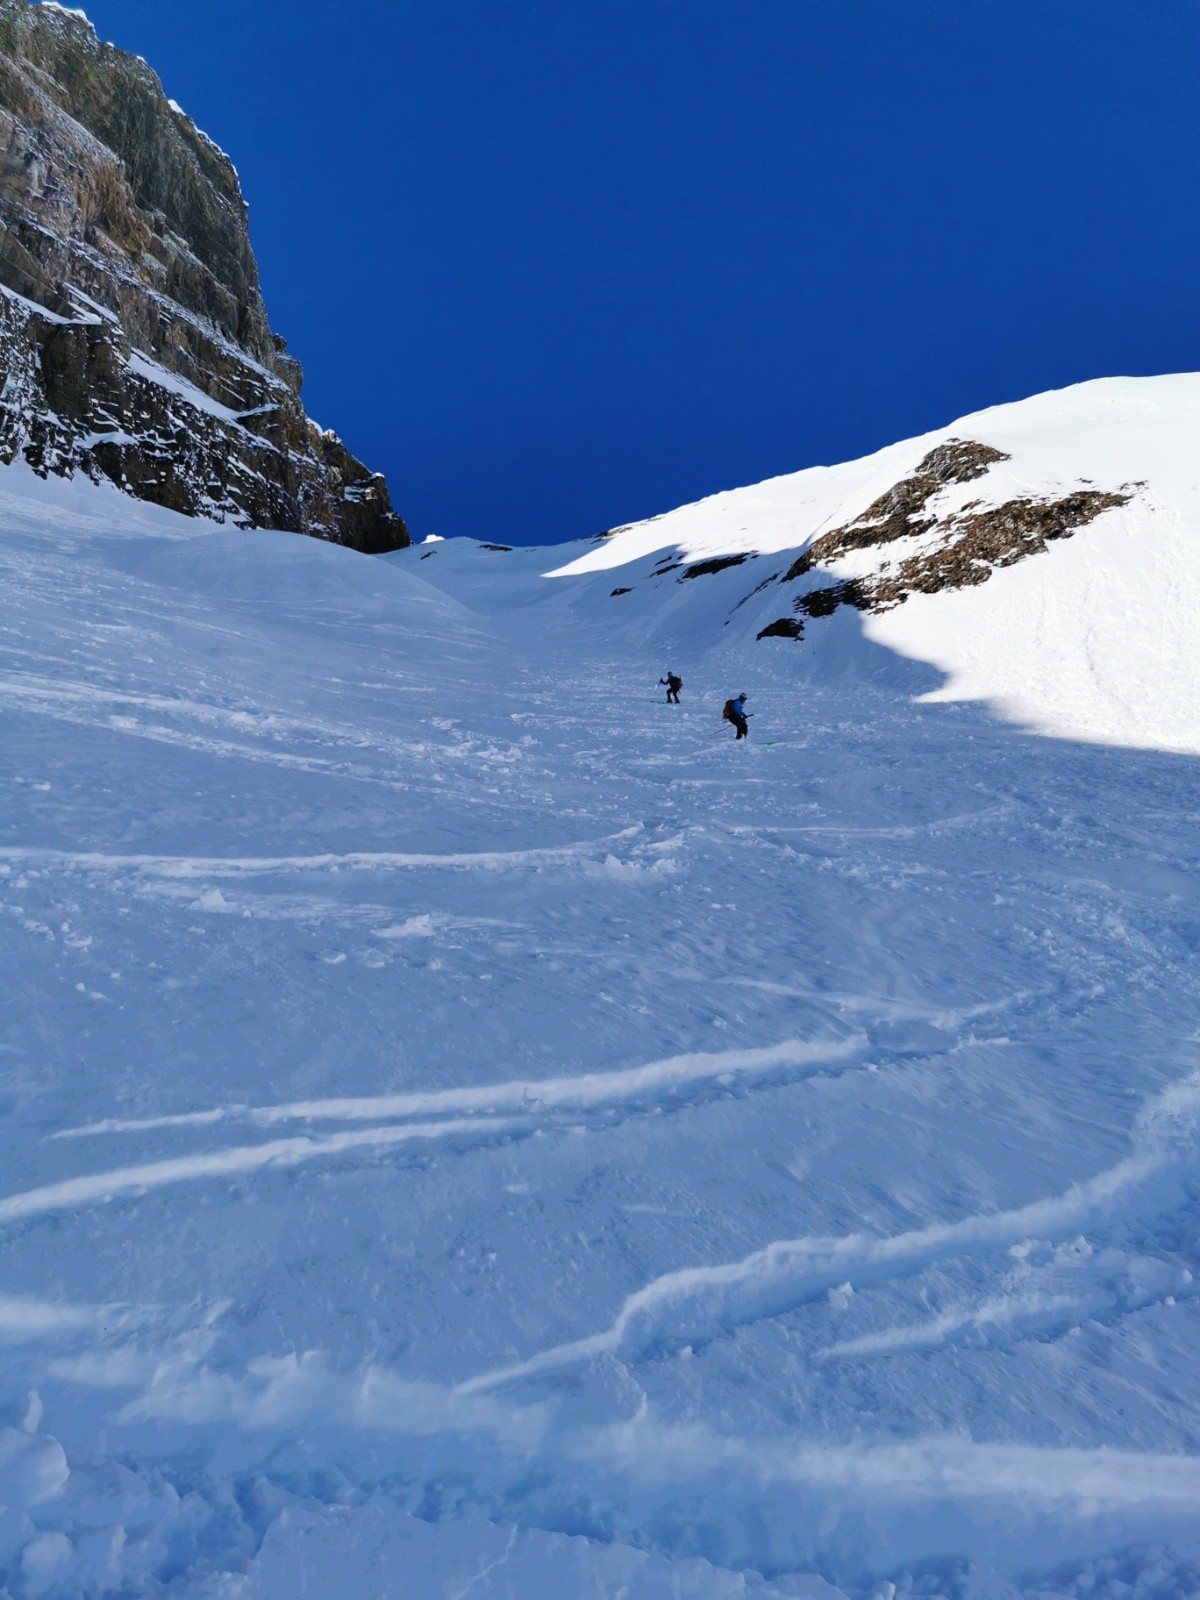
[[728, 711]]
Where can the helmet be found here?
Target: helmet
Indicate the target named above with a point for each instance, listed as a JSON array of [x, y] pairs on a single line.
[[743, 695]]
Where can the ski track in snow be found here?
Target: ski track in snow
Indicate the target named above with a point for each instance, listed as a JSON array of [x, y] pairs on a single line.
[[901, 1495], [351, 861], [1001, 812], [86, 1190], [67, 701], [658, 1082], [1042, 1314], [540, 1103], [698, 1304]]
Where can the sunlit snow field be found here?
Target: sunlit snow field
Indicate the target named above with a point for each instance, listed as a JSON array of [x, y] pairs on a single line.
[[468, 1127]]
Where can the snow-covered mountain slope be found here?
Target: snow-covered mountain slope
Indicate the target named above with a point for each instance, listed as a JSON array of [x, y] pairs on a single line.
[[469, 1128], [1044, 555]]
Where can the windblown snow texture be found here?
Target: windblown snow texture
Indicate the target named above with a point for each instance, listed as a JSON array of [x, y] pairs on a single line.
[[471, 1129]]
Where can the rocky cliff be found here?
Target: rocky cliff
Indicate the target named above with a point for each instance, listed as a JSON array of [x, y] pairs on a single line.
[[134, 342]]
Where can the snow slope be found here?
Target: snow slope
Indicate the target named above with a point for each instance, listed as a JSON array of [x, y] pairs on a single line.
[[468, 1128], [1097, 638]]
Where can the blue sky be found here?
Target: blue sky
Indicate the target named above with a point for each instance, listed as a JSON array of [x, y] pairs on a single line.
[[555, 265]]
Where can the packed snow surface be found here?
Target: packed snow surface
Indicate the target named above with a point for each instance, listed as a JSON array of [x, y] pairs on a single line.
[[472, 1129]]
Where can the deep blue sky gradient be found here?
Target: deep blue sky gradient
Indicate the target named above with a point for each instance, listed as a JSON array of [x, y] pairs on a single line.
[[554, 265]]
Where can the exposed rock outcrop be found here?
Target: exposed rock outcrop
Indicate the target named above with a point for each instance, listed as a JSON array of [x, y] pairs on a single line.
[[134, 342], [704, 569], [903, 512], [948, 548]]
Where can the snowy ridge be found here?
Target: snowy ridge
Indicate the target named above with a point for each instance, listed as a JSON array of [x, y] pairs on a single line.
[[1094, 636]]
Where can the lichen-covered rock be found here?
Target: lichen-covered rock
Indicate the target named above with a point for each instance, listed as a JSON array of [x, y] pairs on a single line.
[[134, 342]]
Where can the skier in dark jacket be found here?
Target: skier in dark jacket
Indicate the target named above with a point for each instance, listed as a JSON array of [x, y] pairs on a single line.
[[674, 684], [735, 712]]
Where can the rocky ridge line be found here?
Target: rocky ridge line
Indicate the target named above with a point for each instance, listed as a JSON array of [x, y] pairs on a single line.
[[134, 341]]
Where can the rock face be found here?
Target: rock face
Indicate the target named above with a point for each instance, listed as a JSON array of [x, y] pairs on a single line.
[[134, 342], [936, 549]]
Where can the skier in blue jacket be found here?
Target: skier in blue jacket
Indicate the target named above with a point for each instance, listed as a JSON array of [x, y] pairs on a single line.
[[735, 712]]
